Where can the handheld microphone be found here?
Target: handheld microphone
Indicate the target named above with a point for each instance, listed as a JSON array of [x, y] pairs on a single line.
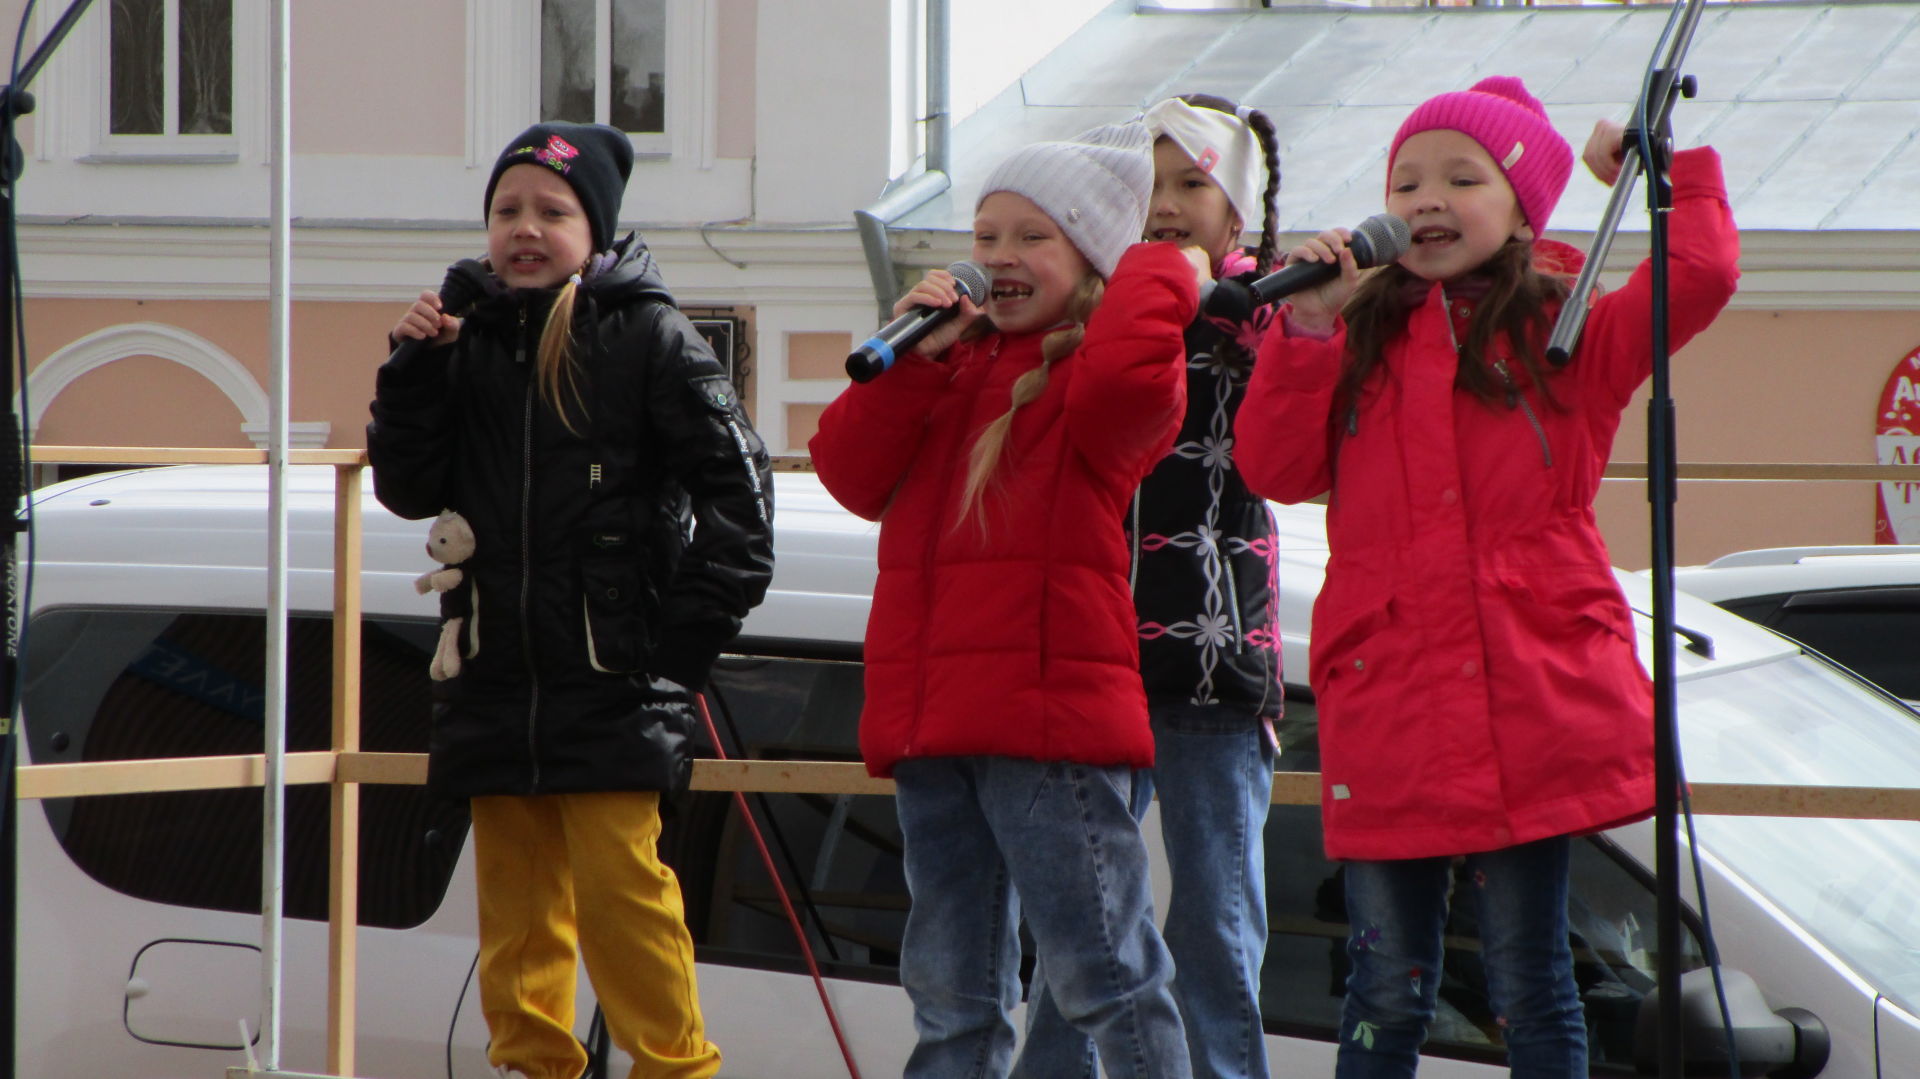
[[466, 282], [1378, 240], [864, 364]]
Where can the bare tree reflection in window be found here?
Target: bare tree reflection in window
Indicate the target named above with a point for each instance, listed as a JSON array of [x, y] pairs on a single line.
[[639, 65], [566, 60], [138, 55], [206, 67]]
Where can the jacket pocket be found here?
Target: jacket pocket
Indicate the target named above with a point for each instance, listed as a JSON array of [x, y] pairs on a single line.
[[615, 601], [1346, 638]]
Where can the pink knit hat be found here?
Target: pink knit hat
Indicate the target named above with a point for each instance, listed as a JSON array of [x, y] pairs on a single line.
[[1511, 125]]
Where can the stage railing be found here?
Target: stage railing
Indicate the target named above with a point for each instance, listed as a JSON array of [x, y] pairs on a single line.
[[344, 767]]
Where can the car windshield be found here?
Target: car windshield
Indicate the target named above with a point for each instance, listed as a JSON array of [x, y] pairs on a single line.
[[1849, 883]]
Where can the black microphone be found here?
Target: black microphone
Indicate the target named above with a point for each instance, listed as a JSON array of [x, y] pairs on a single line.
[[865, 363], [1378, 240], [466, 282]]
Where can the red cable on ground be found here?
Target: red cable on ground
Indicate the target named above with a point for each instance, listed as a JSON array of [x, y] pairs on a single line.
[[780, 887]]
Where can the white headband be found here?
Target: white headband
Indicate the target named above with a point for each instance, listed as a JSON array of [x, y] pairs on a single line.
[[1224, 147]]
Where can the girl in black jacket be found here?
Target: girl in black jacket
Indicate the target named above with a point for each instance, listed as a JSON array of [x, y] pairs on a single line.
[[622, 512]]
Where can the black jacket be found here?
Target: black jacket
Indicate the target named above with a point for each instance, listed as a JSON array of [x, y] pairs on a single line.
[[1204, 587], [611, 565]]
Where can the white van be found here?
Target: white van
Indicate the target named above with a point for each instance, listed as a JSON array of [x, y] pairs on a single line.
[[139, 951]]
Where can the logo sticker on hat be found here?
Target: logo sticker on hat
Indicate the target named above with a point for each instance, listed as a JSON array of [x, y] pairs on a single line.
[[1208, 158], [558, 154], [1513, 155]]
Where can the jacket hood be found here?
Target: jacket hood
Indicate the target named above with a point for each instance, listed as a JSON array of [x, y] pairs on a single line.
[[625, 273]]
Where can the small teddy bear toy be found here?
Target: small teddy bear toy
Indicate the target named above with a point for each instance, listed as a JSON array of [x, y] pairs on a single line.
[[449, 541]]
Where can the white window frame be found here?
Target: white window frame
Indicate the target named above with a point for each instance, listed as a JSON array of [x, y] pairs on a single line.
[[503, 78], [75, 116]]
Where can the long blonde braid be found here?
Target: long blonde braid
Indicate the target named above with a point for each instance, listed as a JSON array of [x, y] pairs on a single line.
[[988, 448]]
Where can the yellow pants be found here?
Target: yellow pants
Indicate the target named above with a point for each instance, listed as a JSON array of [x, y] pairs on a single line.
[[563, 876]]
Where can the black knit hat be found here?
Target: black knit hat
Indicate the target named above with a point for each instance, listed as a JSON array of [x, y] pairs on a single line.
[[594, 158]]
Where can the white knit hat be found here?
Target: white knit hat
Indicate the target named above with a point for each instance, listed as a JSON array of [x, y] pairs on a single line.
[[1224, 147], [1095, 186]]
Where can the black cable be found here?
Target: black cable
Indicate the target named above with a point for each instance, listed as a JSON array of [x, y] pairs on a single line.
[[457, 1002], [1707, 943], [773, 823], [598, 1045]]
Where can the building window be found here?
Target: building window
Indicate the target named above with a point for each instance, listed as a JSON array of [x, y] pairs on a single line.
[[605, 61], [643, 66], [149, 82], [170, 67]]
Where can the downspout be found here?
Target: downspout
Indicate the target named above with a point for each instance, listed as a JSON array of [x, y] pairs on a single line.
[[904, 197]]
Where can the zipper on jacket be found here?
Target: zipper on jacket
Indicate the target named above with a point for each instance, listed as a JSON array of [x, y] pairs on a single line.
[[526, 563], [1516, 399], [1233, 598], [594, 475]]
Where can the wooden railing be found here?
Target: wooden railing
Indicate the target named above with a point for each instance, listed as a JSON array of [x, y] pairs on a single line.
[[344, 767]]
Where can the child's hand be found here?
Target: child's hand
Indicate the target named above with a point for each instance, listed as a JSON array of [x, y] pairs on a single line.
[[424, 321], [1315, 309], [1202, 264], [938, 290], [1606, 148]]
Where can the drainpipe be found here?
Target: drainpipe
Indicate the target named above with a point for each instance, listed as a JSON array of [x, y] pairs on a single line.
[[907, 196]]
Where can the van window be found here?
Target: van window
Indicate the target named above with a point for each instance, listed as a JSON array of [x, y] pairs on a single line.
[[109, 685], [839, 855]]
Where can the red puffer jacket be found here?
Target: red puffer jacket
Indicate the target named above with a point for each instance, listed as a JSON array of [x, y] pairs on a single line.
[[1011, 633], [1472, 654]]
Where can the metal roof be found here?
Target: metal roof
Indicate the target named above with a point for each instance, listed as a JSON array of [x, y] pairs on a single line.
[[1815, 108]]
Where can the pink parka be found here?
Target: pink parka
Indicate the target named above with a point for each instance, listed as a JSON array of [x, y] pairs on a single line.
[[1013, 634], [1472, 655]]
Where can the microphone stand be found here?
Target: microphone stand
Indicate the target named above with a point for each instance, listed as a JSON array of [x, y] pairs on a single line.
[[14, 103], [1649, 145]]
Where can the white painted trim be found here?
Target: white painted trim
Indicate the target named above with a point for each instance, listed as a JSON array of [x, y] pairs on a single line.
[[130, 259], [503, 86], [189, 350], [198, 262]]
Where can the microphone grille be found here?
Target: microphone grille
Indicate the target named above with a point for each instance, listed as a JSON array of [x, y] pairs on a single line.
[[972, 278], [1386, 237]]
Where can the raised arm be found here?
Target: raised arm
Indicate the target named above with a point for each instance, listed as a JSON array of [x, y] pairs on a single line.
[[1126, 400]]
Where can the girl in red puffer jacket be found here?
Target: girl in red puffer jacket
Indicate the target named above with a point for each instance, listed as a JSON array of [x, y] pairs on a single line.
[[1002, 667]]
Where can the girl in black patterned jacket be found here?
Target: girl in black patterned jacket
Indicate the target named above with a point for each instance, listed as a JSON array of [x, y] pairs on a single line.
[[581, 425], [1204, 593]]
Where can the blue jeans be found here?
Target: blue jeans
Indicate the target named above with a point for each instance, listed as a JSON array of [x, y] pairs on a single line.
[[1397, 913], [989, 837], [1214, 770]]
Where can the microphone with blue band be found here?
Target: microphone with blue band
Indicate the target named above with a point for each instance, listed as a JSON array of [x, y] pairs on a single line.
[[877, 353]]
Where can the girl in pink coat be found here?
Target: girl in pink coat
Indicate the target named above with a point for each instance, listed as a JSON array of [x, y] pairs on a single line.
[[1479, 695]]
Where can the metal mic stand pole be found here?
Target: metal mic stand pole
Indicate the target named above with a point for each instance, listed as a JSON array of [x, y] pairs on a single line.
[[14, 103], [1649, 145]]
